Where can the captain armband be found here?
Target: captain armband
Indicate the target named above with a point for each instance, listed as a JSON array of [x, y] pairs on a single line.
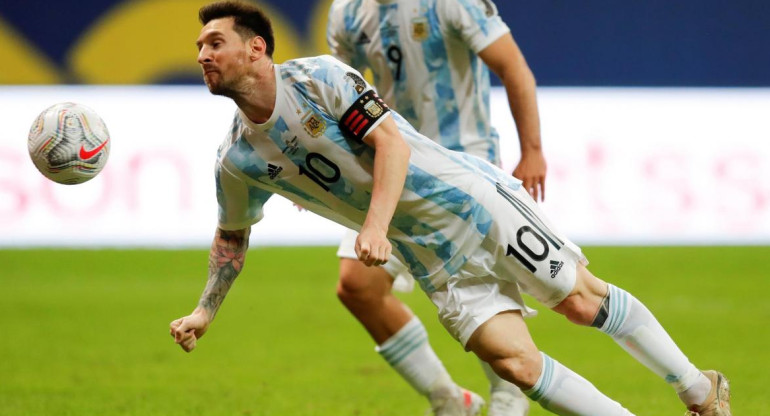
[[364, 112]]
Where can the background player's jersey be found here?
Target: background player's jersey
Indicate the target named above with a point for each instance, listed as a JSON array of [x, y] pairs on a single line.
[[311, 152], [423, 55]]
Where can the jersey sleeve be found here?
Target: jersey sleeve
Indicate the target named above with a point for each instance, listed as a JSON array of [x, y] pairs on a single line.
[[340, 44], [475, 21], [352, 101], [240, 205]]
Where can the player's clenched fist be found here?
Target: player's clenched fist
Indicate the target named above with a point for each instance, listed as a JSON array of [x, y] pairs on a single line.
[[372, 247], [187, 330]]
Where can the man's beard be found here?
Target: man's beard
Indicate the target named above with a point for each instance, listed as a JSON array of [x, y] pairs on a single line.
[[222, 87]]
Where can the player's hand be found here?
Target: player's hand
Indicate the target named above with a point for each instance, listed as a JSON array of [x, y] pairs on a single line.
[[531, 171], [372, 246], [187, 330]]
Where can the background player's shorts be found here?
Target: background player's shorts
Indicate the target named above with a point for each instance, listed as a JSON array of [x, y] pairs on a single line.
[[402, 279], [522, 251]]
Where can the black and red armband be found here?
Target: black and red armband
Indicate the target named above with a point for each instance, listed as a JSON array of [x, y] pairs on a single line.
[[367, 109]]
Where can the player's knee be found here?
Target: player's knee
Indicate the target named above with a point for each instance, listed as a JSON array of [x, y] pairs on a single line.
[[357, 287], [522, 369], [349, 289], [577, 309], [583, 303]]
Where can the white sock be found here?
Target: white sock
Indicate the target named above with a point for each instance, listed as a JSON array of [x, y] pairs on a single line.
[[410, 354], [635, 329], [562, 391]]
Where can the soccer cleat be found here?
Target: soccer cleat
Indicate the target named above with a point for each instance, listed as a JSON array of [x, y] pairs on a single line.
[[717, 403], [508, 403], [456, 401]]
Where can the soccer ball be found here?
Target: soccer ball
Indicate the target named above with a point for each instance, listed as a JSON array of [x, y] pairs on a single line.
[[69, 143]]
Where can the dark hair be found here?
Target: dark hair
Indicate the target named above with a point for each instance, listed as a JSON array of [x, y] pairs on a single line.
[[249, 20]]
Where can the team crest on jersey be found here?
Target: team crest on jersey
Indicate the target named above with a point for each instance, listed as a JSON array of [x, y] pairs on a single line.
[[420, 29], [359, 83], [314, 124]]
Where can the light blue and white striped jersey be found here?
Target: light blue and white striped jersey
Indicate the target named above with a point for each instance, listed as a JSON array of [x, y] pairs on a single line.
[[423, 55], [310, 151]]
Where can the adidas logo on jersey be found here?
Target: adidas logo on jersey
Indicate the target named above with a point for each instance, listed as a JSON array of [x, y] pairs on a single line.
[[363, 39], [555, 268], [273, 170]]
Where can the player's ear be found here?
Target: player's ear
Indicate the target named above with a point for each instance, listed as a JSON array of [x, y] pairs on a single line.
[[257, 47]]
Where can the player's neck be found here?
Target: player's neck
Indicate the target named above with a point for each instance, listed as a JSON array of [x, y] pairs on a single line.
[[258, 98]]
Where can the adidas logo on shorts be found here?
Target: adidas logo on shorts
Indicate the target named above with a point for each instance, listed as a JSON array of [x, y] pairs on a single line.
[[363, 39], [273, 170], [555, 268]]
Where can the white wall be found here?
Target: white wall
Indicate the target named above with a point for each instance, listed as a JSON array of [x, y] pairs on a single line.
[[626, 166]]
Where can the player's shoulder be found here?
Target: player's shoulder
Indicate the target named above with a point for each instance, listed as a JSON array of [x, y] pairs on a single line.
[[324, 68], [485, 7], [309, 64], [342, 10], [348, 4]]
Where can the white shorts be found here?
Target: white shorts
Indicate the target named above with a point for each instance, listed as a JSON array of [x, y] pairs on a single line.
[[402, 279], [522, 252]]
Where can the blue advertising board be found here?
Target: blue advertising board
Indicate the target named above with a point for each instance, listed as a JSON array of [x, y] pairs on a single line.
[[567, 43]]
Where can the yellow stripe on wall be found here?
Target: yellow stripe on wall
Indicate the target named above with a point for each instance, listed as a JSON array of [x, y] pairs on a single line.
[[22, 63], [145, 41]]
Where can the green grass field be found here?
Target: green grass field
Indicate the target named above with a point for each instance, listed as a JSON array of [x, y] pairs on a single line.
[[86, 333]]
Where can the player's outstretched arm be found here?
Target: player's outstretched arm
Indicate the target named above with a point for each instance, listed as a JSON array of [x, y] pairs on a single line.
[[505, 59], [391, 160], [226, 258]]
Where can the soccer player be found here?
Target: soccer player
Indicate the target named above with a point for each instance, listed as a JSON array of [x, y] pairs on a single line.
[[313, 131], [430, 62]]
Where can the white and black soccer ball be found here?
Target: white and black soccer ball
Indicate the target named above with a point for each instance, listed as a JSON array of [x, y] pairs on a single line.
[[69, 143]]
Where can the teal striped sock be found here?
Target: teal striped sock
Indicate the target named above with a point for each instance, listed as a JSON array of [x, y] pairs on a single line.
[[564, 392], [410, 354], [636, 330], [410, 337], [620, 303], [544, 382]]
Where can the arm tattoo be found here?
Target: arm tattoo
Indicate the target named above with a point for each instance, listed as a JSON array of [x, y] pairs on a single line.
[[228, 252]]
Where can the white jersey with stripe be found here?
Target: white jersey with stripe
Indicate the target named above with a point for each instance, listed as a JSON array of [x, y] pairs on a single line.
[[423, 55], [311, 152]]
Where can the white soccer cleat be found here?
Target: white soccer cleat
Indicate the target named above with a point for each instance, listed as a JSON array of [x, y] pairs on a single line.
[[508, 403], [456, 402]]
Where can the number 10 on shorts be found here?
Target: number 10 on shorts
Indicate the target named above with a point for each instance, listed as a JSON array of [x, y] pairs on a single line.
[[537, 247]]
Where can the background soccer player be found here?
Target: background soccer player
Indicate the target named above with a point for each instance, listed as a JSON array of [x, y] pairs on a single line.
[[430, 62], [469, 233]]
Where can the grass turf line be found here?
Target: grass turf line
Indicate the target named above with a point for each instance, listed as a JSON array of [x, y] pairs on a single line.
[[86, 333]]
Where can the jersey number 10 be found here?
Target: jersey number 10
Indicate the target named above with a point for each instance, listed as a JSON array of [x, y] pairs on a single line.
[[309, 169]]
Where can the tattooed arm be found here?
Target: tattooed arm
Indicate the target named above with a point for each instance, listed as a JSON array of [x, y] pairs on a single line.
[[228, 252]]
